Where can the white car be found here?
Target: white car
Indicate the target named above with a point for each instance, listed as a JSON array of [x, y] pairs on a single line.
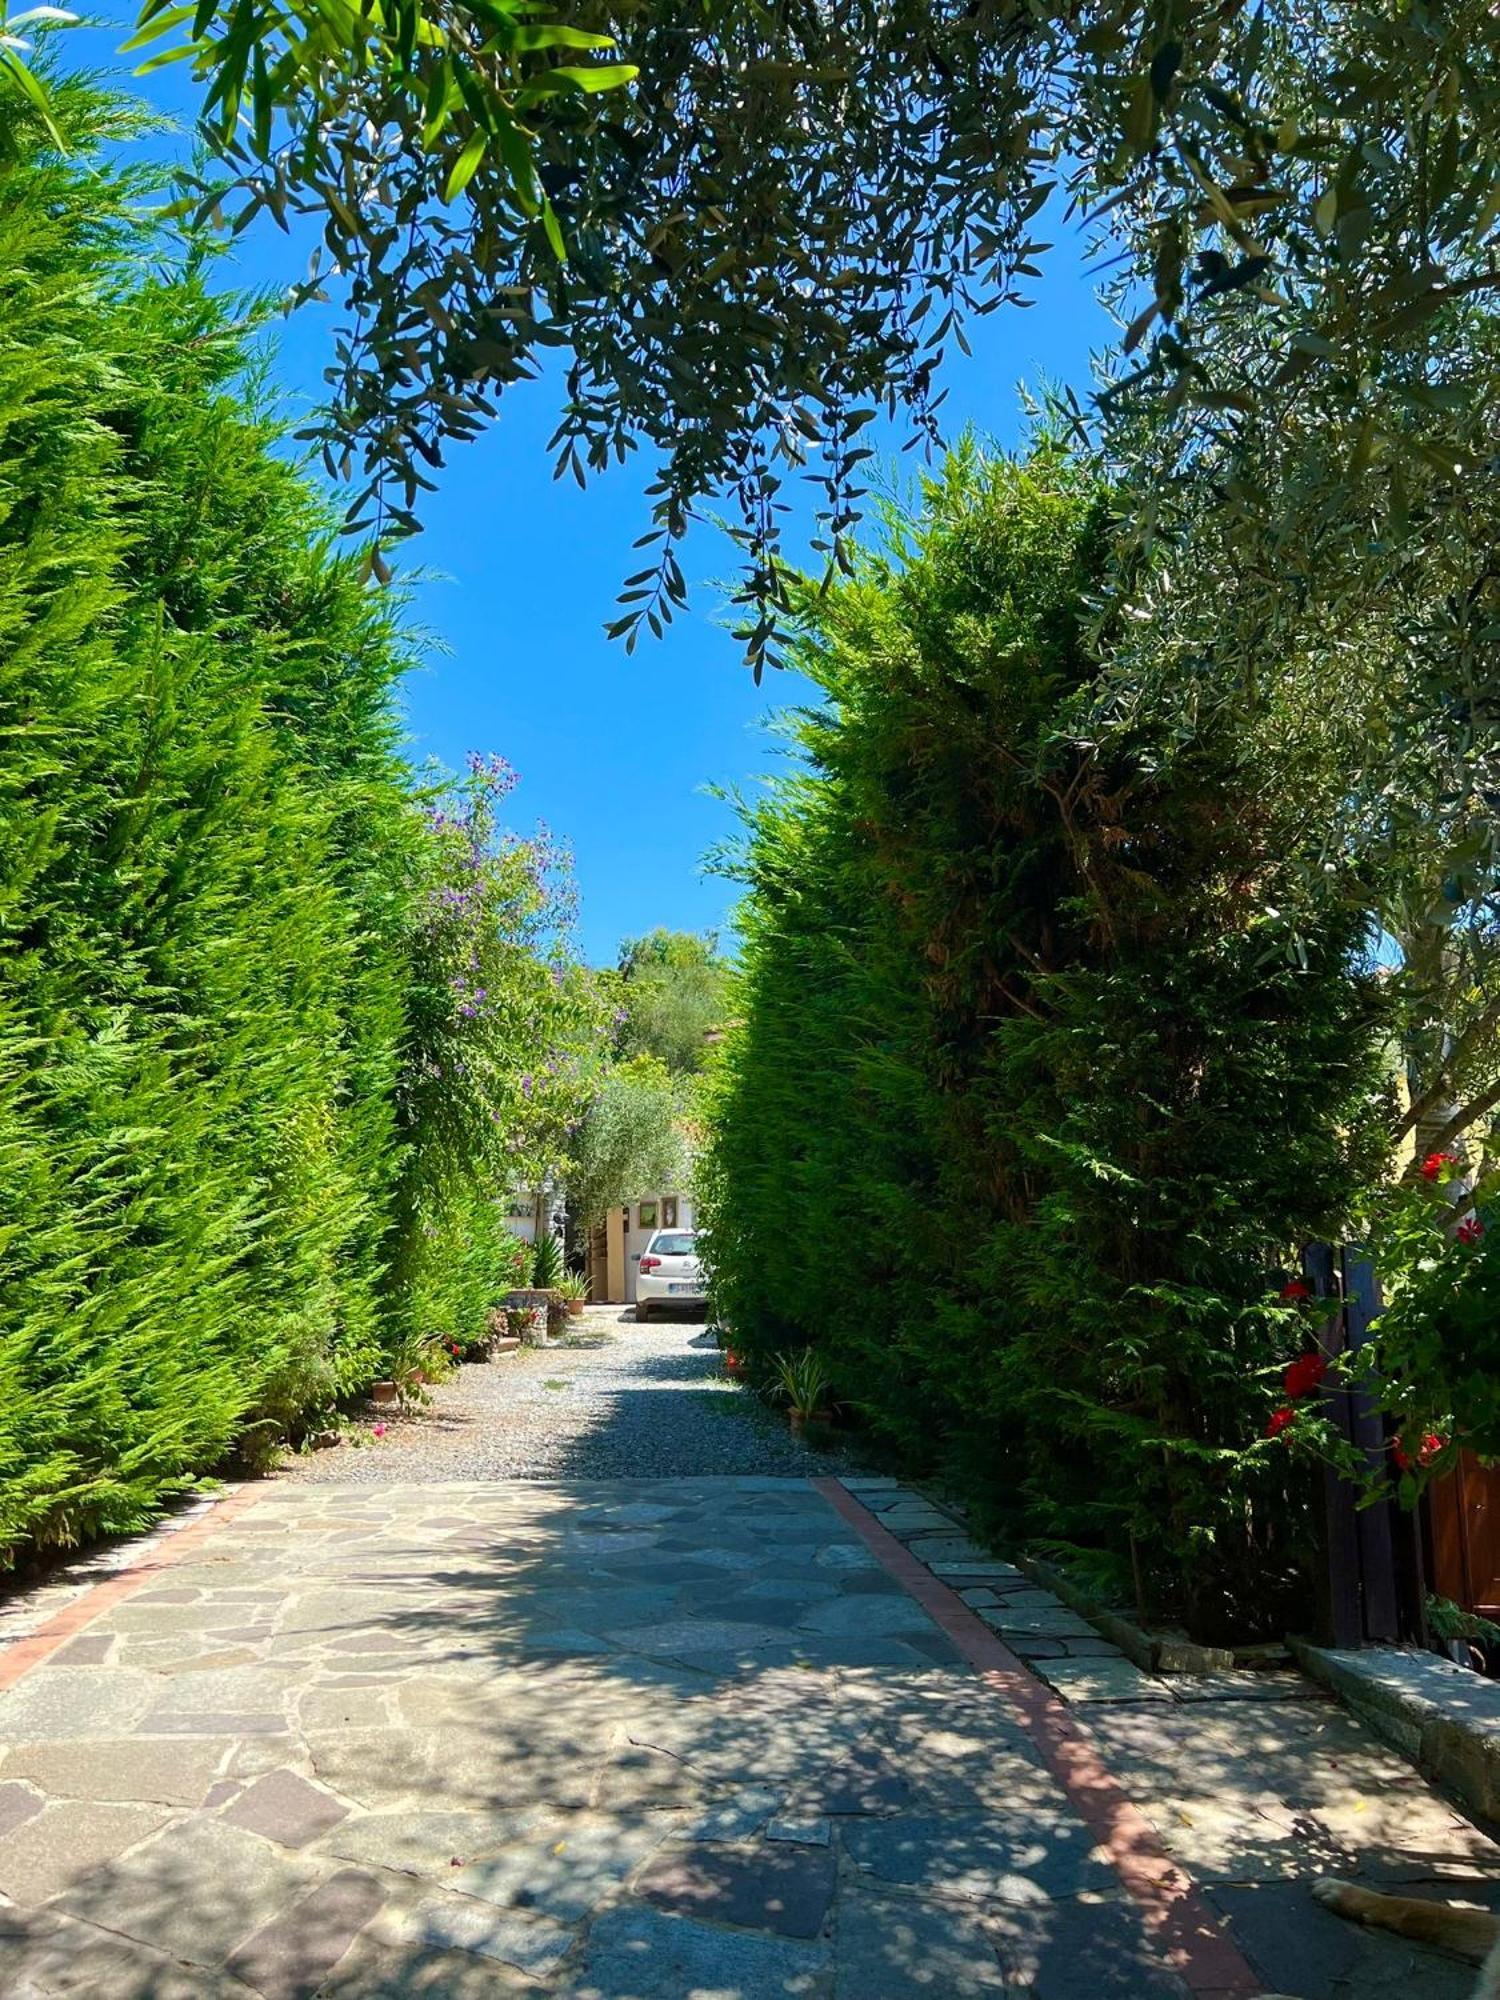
[[669, 1273]]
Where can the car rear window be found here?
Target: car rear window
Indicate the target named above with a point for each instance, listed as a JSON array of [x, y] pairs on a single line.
[[674, 1243]]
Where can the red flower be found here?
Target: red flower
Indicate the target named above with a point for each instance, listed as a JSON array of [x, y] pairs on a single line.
[[1427, 1451], [1295, 1289], [1434, 1164], [1304, 1375], [1470, 1230], [1278, 1420]]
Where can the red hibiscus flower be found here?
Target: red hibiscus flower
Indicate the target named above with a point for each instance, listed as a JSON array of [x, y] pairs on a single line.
[[1470, 1230], [1304, 1375], [1434, 1164], [1295, 1290], [1278, 1420]]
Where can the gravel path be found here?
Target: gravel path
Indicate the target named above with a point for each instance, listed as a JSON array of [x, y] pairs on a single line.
[[617, 1401]]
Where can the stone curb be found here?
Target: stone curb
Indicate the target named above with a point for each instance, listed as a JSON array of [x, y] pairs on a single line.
[[1444, 1717], [1152, 1652]]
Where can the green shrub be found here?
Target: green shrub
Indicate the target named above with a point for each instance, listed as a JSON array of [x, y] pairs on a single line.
[[219, 1138], [1047, 1054]]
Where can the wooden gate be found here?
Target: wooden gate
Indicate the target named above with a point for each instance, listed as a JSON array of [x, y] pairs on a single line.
[[1464, 1514], [1373, 1576]]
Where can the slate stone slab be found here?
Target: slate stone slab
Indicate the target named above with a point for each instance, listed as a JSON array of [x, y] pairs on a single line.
[[868, 1618], [948, 1547], [531, 1944], [984, 1858], [1237, 1687], [285, 1808], [210, 1722], [1043, 1621], [642, 1954], [119, 1768], [684, 1637], [973, 1572], [54, 1849], [427, 1843], [1093, 1949], [737, 1818], [290, 1957], [1086, 1680], [865, 1781], [195, 1892], [1300, 1949], [845, 1555], [17, 1805], [566, 1866], [909, 1950], [89, 1649], [74, 1702], [50, 1957], [775, 1888]]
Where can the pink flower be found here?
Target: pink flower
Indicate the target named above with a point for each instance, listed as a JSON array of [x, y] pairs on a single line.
[[377, 1430], [1470, 1230]]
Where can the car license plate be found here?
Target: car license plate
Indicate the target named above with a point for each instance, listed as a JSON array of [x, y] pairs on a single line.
[[679, 1288]]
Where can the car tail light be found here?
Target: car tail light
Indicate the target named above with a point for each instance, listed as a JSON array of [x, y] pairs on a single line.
[[651, 1263]]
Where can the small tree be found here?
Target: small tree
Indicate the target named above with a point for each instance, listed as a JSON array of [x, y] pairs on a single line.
[[631, 1140]]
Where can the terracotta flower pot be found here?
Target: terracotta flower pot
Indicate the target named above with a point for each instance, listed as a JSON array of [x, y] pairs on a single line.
[[575, 1308], [383, 1393]]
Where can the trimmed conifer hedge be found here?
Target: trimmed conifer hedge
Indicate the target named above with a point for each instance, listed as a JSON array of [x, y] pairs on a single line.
[[233, 939], [1049, 1050]]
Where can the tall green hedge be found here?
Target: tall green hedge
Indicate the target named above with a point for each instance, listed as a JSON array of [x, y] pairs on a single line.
[[1048, 1055], [216, 887]]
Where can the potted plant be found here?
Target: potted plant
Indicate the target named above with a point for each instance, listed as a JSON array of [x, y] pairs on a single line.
[[804, 1384], [574, 1292]]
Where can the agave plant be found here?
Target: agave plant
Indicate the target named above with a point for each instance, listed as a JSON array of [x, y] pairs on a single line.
[[547, 1264]]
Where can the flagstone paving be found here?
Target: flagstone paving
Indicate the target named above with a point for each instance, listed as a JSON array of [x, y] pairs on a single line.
[[678, 1738]]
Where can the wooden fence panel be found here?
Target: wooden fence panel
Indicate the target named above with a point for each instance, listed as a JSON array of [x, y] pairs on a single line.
[[1373, 1585]]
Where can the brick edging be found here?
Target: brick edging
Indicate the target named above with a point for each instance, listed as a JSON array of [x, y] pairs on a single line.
[[21, 1655], [1192, 1937]]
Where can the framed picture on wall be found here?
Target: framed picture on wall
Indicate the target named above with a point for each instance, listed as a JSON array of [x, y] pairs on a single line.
[[648, 1215], [669, 1211]]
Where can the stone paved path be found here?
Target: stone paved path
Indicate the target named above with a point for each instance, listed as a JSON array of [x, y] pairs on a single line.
[[660, 1738]]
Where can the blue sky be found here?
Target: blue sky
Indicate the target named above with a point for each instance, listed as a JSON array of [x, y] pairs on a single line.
[[521, 571]]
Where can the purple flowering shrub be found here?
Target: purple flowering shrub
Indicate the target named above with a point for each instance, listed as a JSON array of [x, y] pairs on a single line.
[[503, 1023]]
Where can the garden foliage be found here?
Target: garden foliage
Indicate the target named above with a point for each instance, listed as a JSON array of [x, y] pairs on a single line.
[[1049, 1054], [251, 1115]]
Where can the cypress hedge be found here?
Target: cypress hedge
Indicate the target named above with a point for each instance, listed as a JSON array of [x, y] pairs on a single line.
[[219, 893], [1048, 1052]]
